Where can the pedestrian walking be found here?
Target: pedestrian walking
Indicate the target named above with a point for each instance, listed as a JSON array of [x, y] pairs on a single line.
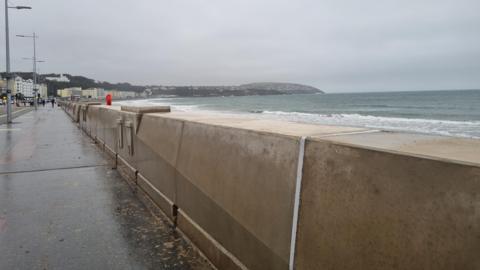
[[53, 103]]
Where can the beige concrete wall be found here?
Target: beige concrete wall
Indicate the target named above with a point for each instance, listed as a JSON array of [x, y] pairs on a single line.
[[108, 118], [246, 180], [364, 208], [369, 200], [156, 151], [93, 120]]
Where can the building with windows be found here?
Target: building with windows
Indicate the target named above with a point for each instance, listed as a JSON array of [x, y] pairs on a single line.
[[94, 93], [62, 78], [43, 90], [3, 86], [24, 87], [70, 92], [121, 94]]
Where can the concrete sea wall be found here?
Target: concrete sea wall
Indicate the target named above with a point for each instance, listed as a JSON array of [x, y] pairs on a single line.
[[258, 194]]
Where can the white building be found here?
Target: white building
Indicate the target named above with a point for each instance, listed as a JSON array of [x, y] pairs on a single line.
[[24, 87], [62, 78]]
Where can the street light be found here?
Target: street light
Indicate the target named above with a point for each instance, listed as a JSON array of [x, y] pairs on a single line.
[[34, 37], [34, 76], [7, 49]]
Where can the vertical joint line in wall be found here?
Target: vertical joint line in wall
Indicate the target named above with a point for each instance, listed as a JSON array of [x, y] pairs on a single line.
[[179, 144], [175, 215], [115, 164], [296, 205], [175, 207], [138, 119]]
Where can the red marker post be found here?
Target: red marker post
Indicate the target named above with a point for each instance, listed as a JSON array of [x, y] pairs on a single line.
[[108, 98]]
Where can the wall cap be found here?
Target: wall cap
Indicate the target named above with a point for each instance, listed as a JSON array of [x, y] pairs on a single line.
[[145, 109]]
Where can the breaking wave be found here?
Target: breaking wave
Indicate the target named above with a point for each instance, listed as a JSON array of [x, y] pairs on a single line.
[[468, 129]]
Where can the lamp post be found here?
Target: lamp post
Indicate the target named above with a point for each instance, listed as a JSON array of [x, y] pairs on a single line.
[[34, 76], [34, 37], [7, 48]]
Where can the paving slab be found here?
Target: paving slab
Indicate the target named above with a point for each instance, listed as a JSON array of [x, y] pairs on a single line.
[[17, 111], [45, 139]]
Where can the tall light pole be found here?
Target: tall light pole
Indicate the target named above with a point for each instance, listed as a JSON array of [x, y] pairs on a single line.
[[8, 75], [34, 75], [34, 37]]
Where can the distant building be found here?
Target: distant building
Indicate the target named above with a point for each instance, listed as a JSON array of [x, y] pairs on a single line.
[[70, 92], [43, 90], [62, 78], [24, 87], [3, 86], [11, 86], [120, 94], [94, 93], [146, 93]]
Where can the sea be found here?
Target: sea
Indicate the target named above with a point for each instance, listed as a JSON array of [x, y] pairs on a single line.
[[448, 113]]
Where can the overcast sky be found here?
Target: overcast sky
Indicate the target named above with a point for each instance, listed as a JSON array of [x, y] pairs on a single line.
[[335, 45]]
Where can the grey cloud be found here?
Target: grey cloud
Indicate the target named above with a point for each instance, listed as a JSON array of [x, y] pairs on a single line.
[[333, 45]]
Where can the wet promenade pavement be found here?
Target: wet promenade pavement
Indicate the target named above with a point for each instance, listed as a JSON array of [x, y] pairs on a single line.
[[63, 207], [17, 111]]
